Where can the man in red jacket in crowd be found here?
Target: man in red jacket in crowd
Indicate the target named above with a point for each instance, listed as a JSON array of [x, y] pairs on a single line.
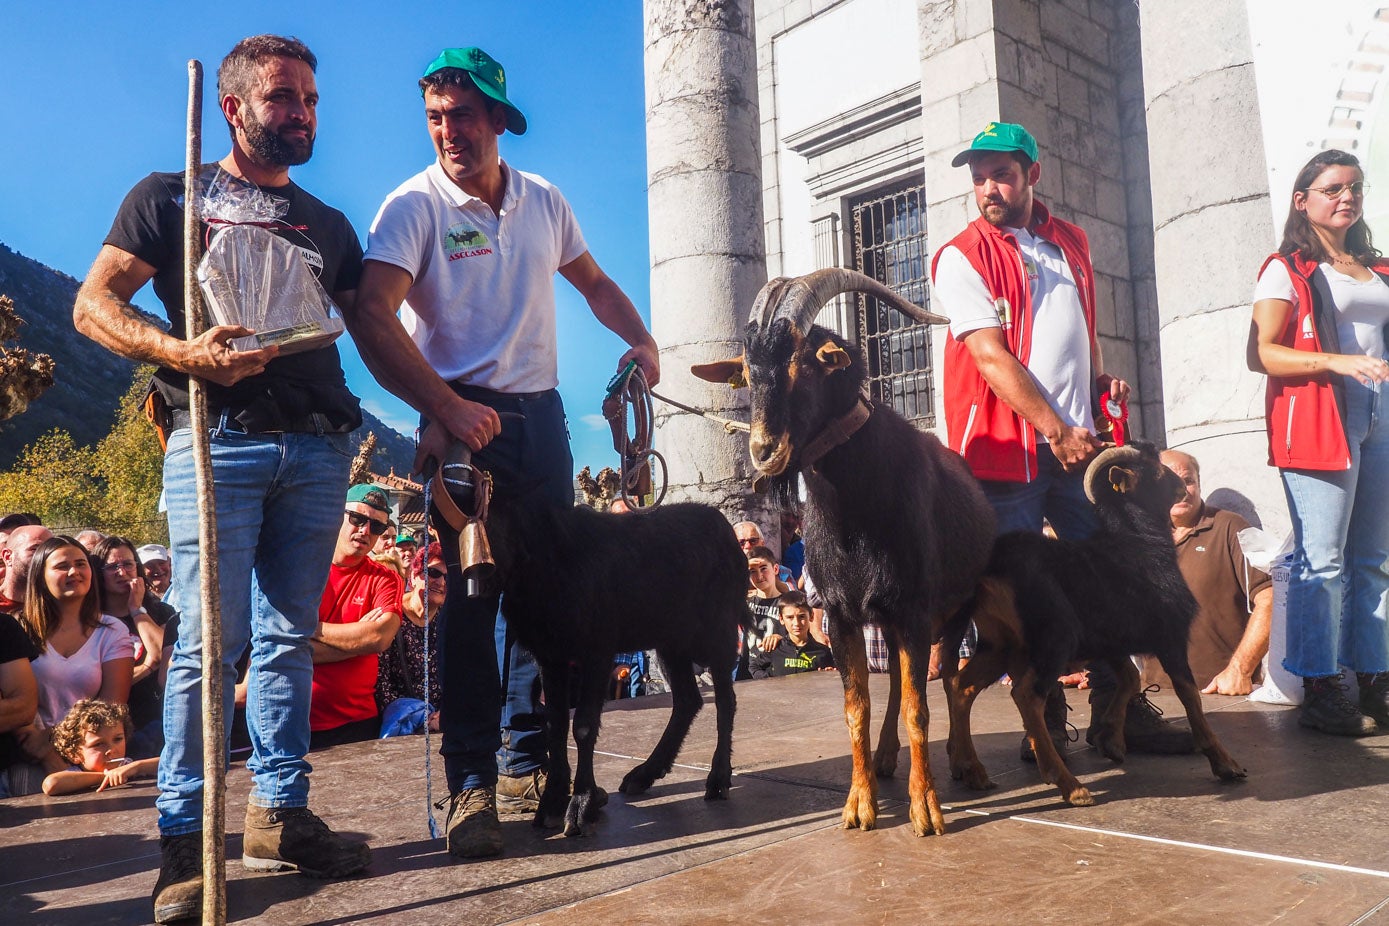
[[357, 619], [1023, 374]]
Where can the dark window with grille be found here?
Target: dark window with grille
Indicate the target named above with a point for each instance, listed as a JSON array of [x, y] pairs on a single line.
[[890, 246]]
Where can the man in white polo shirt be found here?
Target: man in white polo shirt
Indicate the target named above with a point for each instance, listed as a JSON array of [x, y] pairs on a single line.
[[467, 251], [1023, 373]]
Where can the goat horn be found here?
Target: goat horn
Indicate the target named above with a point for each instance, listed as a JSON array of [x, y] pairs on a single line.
[[801, 298], [1106, 458]]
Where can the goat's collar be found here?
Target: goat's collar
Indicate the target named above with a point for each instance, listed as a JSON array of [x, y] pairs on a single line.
[[836, 432]]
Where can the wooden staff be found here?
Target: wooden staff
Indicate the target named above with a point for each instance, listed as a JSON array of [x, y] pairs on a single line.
[[214, 746]]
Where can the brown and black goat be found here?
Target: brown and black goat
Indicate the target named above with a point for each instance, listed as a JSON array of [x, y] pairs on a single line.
[[896, 529], [1046, 607]]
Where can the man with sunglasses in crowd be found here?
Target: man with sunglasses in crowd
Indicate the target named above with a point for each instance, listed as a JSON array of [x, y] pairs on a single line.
[[357, 619]]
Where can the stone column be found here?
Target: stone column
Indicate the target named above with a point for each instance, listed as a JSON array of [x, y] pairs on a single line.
[[708, 258], [1212, 229]]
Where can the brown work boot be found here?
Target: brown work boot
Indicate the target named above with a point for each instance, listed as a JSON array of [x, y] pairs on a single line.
[[280, 838], [520, 793], [473, 828], [1144, 728], [178, 894]]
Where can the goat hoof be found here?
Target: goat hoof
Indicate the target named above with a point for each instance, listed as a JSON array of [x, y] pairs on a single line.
[[544, 821], [975, 777], [1112, 748], [1229, 772], [885, 762], [1080, 797], [927, 820], [716, 788], [860, 811], [638, 781]]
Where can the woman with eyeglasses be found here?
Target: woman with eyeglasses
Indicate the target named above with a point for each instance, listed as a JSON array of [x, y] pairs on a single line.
[[402, 671], [84, 654], [1321, 307], [126, 597]]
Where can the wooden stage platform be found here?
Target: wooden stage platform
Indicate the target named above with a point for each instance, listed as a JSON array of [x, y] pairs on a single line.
[[1305, 840]]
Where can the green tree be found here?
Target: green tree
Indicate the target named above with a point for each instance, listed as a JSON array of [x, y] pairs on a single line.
[[53, 479], [113, 487]]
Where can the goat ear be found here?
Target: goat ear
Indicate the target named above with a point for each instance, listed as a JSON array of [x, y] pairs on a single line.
[[1122, 480], [732, 372], [833, 357]]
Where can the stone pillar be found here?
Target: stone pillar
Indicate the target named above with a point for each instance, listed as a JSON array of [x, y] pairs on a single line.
[[1212, 230], [708, 258]]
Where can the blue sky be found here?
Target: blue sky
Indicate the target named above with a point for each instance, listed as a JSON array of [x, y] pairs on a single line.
[[93, 95]]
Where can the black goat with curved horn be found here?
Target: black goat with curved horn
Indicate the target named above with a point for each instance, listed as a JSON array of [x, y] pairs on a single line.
[[896, 529]]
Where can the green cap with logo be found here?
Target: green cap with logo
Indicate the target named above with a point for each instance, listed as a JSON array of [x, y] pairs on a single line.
[[487, 74], [372, 496], [999, 136]]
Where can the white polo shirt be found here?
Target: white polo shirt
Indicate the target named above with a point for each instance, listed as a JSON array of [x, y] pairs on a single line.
[[482, 304], [1059, 360]]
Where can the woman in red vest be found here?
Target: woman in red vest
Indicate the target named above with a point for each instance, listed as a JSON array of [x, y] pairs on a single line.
[[1321, 308]]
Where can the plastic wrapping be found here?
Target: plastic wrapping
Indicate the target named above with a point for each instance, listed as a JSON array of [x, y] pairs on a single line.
[[1270, 554], [254, 278]]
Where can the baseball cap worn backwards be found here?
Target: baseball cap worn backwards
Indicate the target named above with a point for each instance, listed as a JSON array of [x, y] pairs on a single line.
[[372, 496], [999, 136], [487, 74]]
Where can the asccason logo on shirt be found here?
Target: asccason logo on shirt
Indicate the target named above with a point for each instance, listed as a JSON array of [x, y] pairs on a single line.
[[462, 240]]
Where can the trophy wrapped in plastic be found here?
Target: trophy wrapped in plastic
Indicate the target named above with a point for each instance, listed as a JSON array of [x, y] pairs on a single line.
[[255, 278]]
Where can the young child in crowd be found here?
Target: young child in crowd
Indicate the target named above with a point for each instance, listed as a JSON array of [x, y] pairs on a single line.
[[93, 738], [796, 651]]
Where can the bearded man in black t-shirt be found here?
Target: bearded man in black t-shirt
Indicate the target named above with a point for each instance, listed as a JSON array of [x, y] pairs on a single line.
[[280, 462]]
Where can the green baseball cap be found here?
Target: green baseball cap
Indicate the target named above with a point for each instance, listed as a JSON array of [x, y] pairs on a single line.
[[372, 496], [487, 74], [1000, 136], [406, 538]]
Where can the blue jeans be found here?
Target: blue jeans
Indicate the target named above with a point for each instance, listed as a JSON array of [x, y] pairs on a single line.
[[1055, 494], [490, 711], [1059, 497], [1338, 590], [279, 505]]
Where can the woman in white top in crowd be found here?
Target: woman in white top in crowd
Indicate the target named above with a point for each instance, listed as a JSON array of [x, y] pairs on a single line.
[[1320, 310], [84, 654]]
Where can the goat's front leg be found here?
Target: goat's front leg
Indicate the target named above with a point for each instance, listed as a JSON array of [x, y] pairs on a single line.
[[861, 809], [885, 756], [1222, 763], [588, 798], [925, 805], [554, 678]]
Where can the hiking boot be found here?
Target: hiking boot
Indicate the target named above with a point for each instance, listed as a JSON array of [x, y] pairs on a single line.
[[178, 894], [280, 838], [520, 793], [1144, 728], [1325, 707], [1374, 698], [473, 828], [1058, 728]]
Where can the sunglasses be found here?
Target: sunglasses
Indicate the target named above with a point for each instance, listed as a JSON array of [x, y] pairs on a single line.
[[437, 573], [373, 526]]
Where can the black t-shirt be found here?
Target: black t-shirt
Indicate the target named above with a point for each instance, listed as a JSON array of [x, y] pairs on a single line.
[[149, 225], [790, 659], [14, 644]]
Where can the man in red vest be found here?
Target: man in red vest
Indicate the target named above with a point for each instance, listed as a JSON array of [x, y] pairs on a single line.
[[1023, 373]]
